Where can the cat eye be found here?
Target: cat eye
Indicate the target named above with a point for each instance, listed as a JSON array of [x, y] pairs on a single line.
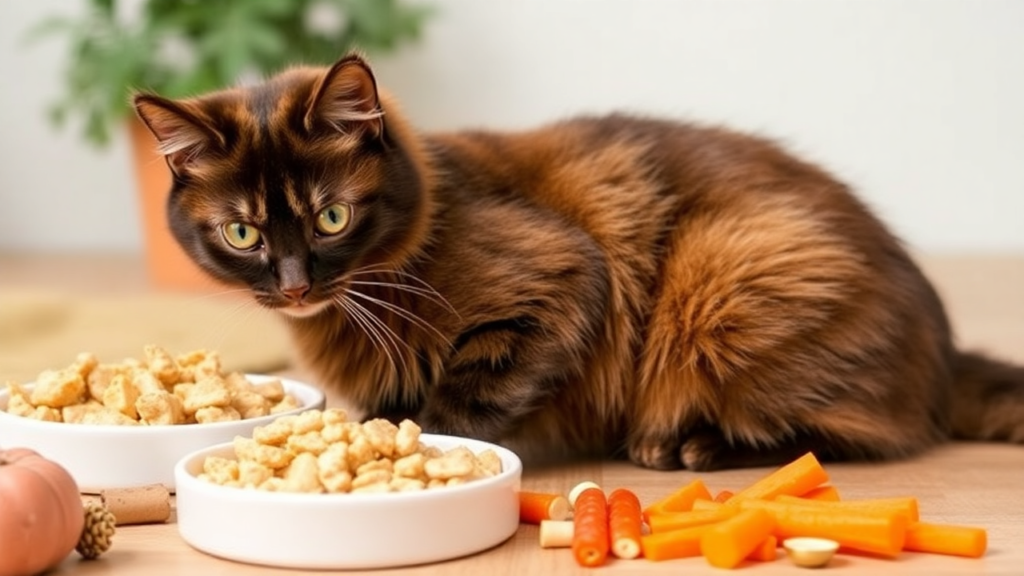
[[333, 219], [241, 236]]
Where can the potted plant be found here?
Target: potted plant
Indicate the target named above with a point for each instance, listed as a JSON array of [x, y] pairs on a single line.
[[181, 48]]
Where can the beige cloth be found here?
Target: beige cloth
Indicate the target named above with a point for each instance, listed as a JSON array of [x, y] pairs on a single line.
[[47, 330]]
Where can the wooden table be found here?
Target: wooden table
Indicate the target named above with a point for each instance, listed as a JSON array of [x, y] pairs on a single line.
[[974, 484]]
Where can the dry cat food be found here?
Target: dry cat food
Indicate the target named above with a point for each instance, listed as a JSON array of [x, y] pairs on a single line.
[[159, 389], [323, 452]]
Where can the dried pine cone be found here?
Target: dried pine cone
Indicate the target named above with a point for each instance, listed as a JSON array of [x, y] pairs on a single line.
[[97, 533]]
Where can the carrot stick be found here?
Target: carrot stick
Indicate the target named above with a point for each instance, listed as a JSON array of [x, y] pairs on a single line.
[[727, 543], [828, 493], [874, 532], [624, 523], [906, 505], [707, 504], [677, 520], [590, 528], [766, 551], [794, 478], [723, 496], [537, 506], [683, 543], [679, 501], [946, 539]]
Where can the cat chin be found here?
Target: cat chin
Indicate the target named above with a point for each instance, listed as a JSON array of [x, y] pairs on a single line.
[[304, 310]]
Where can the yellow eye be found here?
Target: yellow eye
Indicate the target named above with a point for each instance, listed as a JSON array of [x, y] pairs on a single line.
[[241, 236], [334, 218]]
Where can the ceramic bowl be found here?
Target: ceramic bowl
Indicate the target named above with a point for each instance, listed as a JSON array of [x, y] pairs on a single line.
[[348, 531], [103, 457], [810, 552]]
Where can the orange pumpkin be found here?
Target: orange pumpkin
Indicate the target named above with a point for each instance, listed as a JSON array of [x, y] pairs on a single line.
[[41, 513]]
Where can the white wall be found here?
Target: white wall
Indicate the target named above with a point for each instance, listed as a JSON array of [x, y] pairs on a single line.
[[915, 102]]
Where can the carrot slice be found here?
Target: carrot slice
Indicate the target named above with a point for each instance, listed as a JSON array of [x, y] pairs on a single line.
[[590, 528], [795, 478], [723, 496], [727, 543], [679, 501], [537, 506], [683, 543], [874, 532], [677, 520], [625, 524], [946, 539], [906, 505], [707, 504], [828, 493], [766, 551]]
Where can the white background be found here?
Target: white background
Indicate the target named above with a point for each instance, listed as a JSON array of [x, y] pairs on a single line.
[[917, 103]]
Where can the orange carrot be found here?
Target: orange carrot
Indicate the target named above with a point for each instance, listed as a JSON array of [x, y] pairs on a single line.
[[723, 496], [537, 506], [828, 493], [906, 505], [727, 543], [625, 524], [590, 528], [874, 532], [677, 520], [679, 501], [766, 551], [946, 539], [795, 478], [683, 543]]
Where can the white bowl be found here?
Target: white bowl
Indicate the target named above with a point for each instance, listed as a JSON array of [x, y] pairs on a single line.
[[349, 531], [103, 457]]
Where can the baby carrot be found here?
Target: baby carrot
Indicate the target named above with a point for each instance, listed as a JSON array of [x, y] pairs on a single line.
[[906, 505], [679, 501], [624, 523], [727, 543], [946, 539], [590, 528], [682, 543], [794, 478], [874, 532], [677, 520], [766, 551], [828, 493], [537, 506]]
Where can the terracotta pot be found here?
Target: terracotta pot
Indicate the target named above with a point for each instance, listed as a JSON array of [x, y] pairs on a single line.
[[166, 263]]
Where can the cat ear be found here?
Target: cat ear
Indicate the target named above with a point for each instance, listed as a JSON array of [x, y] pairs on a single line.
[[346, 99], [183, 137]]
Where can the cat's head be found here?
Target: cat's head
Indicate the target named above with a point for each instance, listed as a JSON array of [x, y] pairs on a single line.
[[287, 186]]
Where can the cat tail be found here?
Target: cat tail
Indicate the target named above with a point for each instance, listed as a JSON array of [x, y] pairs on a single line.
[[988, 399]]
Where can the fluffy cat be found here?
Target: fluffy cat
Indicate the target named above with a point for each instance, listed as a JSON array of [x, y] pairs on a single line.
[[614, 286]]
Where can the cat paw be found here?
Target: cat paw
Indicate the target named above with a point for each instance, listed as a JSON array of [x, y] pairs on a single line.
[[703, 452], [655, 453]]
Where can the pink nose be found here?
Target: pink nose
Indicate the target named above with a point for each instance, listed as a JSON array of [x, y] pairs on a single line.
[[295, 293]]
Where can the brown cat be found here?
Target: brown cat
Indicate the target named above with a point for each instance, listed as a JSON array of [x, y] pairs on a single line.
[[681, 295]]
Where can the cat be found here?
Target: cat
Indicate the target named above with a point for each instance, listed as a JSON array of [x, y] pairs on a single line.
[[618, 286]]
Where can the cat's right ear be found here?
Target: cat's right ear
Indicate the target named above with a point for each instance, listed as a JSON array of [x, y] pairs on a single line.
[[182, 135]]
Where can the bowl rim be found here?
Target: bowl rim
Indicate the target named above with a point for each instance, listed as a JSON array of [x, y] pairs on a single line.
[[512, 467], [317, 396]]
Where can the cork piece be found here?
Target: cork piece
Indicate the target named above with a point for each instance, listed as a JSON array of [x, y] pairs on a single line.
[[141, 505]]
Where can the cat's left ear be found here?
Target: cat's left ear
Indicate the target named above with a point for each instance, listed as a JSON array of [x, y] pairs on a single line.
[[183, 135], [346, 100]]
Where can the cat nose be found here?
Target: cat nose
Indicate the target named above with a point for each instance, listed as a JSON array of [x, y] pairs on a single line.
[[295, 293]]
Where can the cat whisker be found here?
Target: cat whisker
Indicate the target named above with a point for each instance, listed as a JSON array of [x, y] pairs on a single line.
[[424, 286], [431, 295], [371, 321], [414, 319], [358, 315]]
